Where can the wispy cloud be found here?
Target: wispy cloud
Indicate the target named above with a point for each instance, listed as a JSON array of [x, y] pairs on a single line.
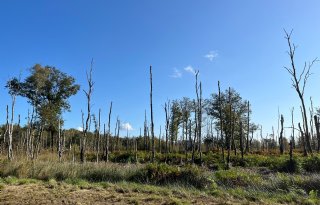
[[126, 126], [190, 69], [176, 73], [211, 55], [80, 129]]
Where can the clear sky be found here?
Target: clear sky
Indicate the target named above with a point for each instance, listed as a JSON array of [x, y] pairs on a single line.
[[240, 43]]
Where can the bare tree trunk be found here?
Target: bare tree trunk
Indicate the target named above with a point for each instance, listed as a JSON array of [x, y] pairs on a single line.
[[232, 133], [136, 150], [6, 131], [86, 128], [98, 137], [296, 83], [59, 141], [230, 128], [152, 125], [10, 131], [159, 144], [293, 141], [109, 133], [118, 134], [221, 123], [166, 109], [241, 140], [200, 124], [248, 128], [195, 132], [145, 131], [281, 136], [316, 121], [302, 141]]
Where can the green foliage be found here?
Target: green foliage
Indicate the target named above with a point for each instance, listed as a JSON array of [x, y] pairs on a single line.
[[166, 174], [48, 90], [311, 164], [237, 177], [125, 157]]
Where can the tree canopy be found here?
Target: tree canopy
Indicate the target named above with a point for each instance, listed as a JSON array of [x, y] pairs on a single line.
[[47, 90]]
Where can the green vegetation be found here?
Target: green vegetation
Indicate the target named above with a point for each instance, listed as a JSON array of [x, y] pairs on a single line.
[[260, 179]]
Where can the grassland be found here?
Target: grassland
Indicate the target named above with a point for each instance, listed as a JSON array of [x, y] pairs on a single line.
[[258, 179]]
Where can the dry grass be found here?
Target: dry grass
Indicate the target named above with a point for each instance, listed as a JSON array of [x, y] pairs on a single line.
[[119, 193]]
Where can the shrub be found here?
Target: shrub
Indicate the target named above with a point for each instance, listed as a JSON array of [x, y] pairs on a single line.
[[237, 178], [162, 174], [124, 158], [289, 166], [311, 164]]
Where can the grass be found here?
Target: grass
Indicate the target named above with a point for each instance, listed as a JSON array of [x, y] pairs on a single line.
[[256, 179]]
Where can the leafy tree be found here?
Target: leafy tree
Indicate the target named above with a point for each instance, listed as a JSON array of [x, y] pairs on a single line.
[[175, 121], [47, 90], [238, 111]]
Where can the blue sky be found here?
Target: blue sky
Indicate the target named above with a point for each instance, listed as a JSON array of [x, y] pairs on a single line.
[[244, 38]]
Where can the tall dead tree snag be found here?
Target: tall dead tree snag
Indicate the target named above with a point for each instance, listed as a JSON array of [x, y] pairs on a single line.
[[248, 128], [299, 82], [292, 123], [97, 133], [281, 147], [59, 141], [151, 112], [241, 139], [108, 134], [167, 112], [199, 113], [230, 127], [316, 122], [4, 145], [88, 94], [303, 141], [221, 121], [13, 86]]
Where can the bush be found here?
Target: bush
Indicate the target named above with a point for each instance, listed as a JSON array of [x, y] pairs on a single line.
[[289, 166], [311, 164], [162, 174], [237, 178], [124, 158]]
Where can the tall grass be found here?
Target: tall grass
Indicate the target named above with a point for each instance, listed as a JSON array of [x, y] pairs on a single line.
[[158, 174]]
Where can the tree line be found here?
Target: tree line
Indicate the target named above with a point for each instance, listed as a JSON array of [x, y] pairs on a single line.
[[221, 123]]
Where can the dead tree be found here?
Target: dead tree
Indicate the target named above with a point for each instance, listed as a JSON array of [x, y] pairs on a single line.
[[303, 141], [299, 82], [108, 134], [167, 112], [159, 144], [316, 122], [230, 128], [6, 130], [232, 132], [145, 131], [59, 141], [199, 118], [10, 130], [195, 131], [241, 139], [313, 144], [151, 113], [221, 121], [98, 136], [248, 127], [117, 130], [281, 136], [86, 128], [292, 123]]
